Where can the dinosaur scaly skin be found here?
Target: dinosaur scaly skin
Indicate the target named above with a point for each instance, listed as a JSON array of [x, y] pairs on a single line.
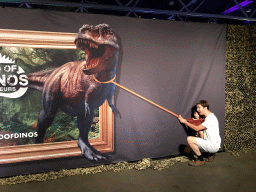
[[72, 88]]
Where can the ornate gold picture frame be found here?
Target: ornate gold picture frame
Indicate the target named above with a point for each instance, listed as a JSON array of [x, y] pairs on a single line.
[[31, 152]]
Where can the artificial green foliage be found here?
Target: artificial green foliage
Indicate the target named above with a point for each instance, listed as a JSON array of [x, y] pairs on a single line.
[[143, 164], [240, 104], [20, 115]]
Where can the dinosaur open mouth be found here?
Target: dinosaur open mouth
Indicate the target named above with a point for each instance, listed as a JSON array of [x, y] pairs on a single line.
[[96, 55]]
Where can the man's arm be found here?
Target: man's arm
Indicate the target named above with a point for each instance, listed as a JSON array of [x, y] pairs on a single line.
[[194, 127]]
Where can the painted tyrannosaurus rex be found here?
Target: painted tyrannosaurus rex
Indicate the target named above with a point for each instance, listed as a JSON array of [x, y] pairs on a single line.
[[72, 88]]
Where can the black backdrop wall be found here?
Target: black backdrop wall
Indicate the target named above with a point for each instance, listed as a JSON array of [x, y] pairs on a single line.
[[174, 64]]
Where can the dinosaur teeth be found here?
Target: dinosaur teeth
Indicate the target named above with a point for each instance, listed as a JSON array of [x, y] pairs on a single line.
[[96, 63], [86, 57], [84, 41], [93, 45], [92, 64], [87, 42]]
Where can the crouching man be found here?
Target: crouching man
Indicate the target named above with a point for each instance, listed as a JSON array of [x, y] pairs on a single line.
[[211, 142]]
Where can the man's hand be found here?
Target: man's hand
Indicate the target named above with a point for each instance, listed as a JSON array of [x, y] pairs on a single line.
[[194, 127], [181, 119]]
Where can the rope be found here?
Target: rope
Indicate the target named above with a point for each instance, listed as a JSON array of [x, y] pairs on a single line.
[[128, 90]]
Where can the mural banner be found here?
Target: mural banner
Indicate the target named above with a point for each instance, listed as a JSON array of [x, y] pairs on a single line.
[[80, 90]]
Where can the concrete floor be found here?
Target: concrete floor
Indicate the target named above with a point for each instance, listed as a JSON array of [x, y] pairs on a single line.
[[225, 173]]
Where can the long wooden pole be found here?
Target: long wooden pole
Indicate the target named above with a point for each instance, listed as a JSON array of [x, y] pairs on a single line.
[[130, 91]]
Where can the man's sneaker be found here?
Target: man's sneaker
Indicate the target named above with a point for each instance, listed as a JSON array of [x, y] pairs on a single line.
[[210, 158], [197, 163]]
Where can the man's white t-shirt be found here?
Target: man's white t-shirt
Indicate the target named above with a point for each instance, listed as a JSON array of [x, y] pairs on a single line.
[[212, 132]]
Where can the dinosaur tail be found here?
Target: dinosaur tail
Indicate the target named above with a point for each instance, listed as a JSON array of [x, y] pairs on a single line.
[[36, 80]]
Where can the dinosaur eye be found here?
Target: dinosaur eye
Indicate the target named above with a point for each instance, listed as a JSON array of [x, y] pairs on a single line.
[[83, 31], [108, 31]]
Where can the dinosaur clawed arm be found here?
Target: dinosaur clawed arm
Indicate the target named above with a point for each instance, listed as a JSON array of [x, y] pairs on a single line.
[[114, 109]]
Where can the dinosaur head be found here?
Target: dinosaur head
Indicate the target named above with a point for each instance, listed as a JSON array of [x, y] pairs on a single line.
[[100, 45]]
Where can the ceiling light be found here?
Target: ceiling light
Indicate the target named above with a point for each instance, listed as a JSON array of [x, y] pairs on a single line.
[[171, 3], [244, 3]]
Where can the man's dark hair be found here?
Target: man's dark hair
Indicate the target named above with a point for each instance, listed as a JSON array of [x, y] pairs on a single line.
[[204, 103]]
